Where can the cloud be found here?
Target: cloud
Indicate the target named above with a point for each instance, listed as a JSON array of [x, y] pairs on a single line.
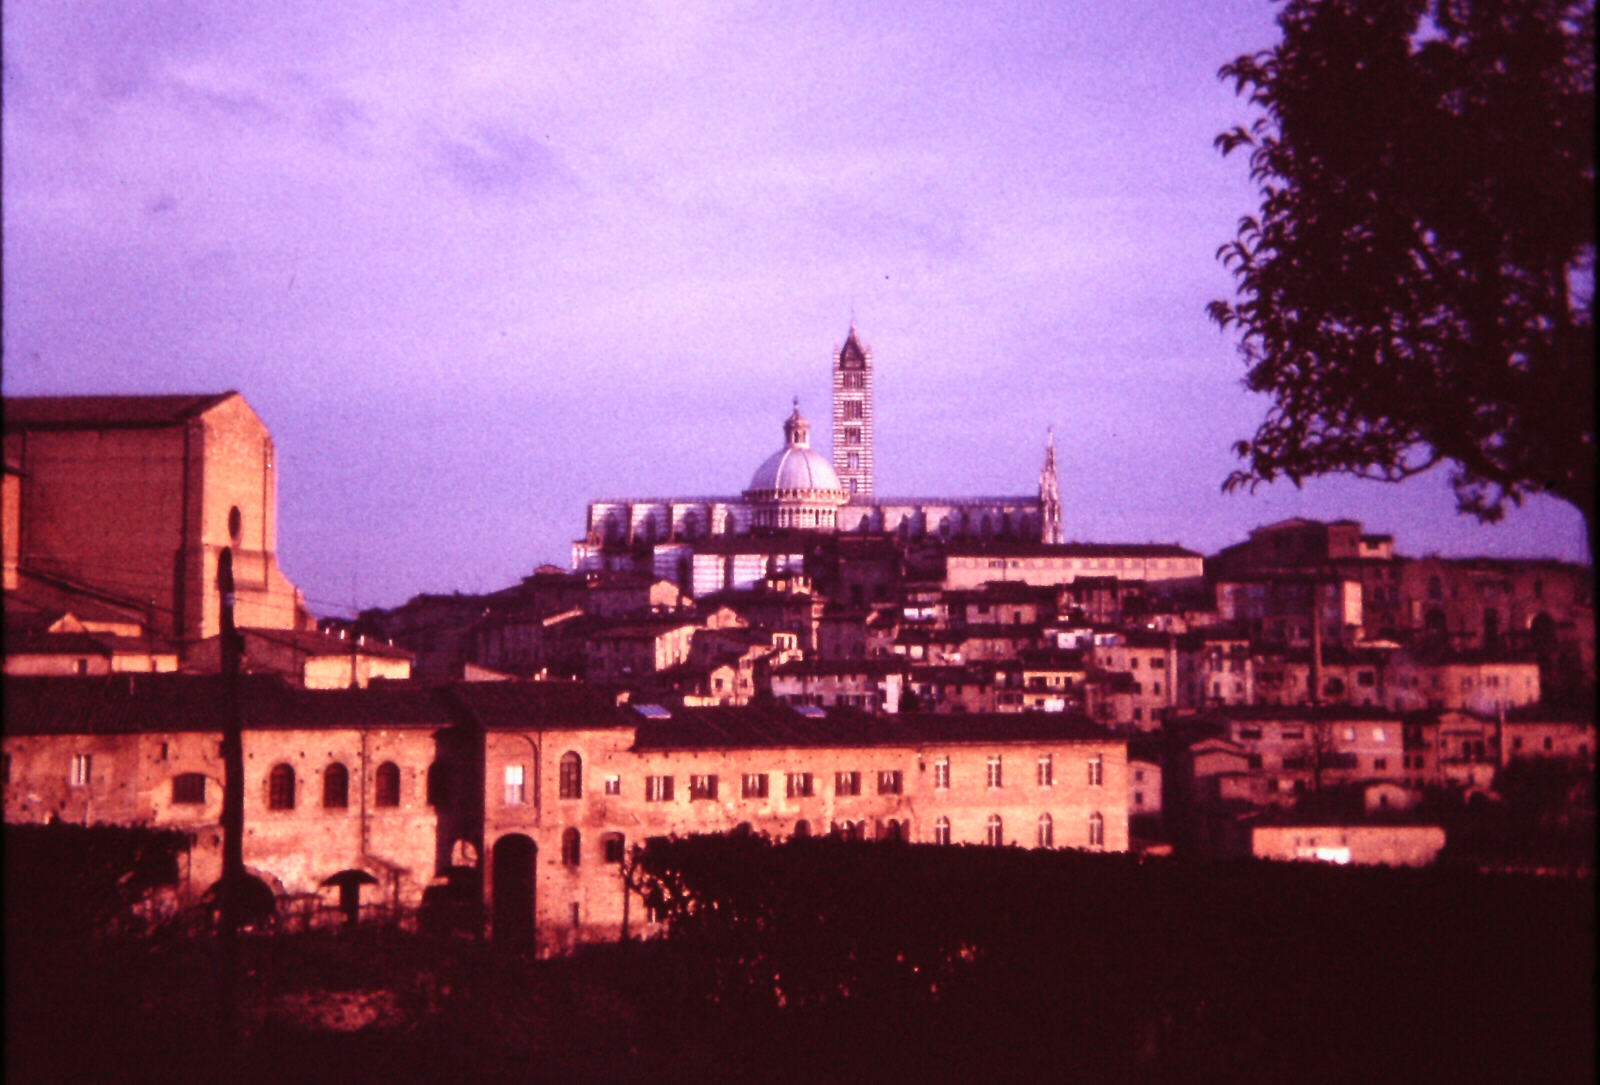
[[496, 160]]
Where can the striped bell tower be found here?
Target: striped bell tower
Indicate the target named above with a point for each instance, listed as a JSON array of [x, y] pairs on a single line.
[[852, 417]]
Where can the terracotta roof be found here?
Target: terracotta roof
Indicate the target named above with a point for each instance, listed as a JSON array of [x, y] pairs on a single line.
[[105, 412], [184, 702], [317, 643], [778, 727], [1003, 548]]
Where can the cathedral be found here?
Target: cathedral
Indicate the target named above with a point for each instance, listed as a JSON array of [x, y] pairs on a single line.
[[799, 490]]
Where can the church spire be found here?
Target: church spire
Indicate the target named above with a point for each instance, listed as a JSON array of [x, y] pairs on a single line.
[[1049, 494]]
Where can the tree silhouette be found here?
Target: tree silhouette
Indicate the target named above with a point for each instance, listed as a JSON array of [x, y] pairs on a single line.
[[1417, 285]]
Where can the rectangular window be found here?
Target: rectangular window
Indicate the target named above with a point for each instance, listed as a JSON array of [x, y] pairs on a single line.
[[1380, 763], [852, 461], [890, 782], [754, 785], [1046, 772], [852, 409], [613, 847], [658, 789], [702, 787], [613, 785], [798, 785], [82, 765], [1096, 771], [852, 435], [516, 787], [995, 778], [941, 773], [847, 783], [189, 787]]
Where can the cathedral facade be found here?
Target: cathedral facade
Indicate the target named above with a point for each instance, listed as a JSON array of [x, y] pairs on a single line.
[[797, 489]]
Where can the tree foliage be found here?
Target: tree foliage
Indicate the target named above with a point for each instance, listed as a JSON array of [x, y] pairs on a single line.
[[1417, 285]]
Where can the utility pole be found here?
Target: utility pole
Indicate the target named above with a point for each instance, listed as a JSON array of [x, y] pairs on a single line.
[[232, 814]]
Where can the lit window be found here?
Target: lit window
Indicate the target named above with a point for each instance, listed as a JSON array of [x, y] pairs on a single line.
[[847, 783], [1047, 831], [941, 773], [1096, 771], [754, 785], [388, 784], [189, 787], [994, 831], [890, 782], [658, 789], [280, 788], [1097, 831], [82, 766], [613, 785], [571, 847], [1047, 770], [613, 847], [702, 787], [516, 786], [798, 785], [941, 831], [994, 776], [571, 783], [335, 787]]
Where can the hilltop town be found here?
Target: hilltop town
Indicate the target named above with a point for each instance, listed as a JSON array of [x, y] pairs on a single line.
[[803, 658]]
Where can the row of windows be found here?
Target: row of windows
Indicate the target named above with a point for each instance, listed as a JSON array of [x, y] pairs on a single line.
[[1045, 830], [612, 847], [1044, 772], [282, 786]]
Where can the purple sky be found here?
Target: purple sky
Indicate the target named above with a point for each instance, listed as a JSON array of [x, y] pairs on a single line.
[[475, 268]]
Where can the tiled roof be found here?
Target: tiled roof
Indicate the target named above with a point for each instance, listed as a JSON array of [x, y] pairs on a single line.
[[1003, 548], [524, 705], [779, 727], [105, 412], [182, 702], [315, 643]]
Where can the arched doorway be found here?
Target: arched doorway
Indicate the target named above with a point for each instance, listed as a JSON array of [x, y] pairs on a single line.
[[514, 863]]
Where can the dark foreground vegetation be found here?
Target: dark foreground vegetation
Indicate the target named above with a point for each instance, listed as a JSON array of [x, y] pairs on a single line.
[[842, 961]]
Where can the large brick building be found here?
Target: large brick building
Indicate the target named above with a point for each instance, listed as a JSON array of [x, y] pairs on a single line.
[[532, 792], [135, 497]]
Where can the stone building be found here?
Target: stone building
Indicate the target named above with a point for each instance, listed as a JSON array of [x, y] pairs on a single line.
[[135, 497], [530, 793]]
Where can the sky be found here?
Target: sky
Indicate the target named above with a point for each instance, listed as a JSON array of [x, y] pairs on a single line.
[[477, 264]]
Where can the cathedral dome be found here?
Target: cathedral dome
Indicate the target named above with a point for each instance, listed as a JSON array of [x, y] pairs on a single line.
[[795, 466], [796, 487]]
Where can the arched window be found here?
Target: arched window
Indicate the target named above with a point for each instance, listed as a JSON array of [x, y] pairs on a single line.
[[1047, 832], [892, 831], [438, 784], [280, 787], [335, 787], [571, 847], [571, 776], [941, 831], [1097, 830], [189, 787], [802, 828], [995, 834], [1435, 589], [388, 781]]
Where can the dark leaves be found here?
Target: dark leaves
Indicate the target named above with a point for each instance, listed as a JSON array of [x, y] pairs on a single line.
[[1426, 178]]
